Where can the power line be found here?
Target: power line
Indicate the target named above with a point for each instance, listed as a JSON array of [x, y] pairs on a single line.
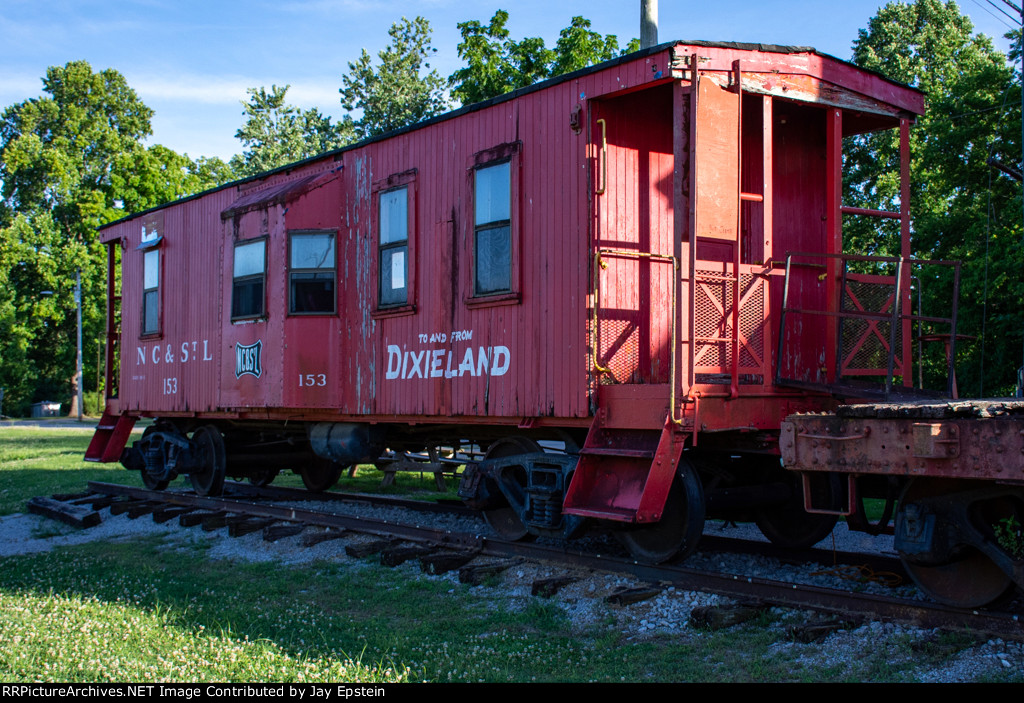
[[1019, 12], [997, 17], [1004, 11]]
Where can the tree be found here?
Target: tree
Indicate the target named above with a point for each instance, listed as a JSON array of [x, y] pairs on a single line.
[[276, 133], [58, 151], [211, 172], [961, 209], [578, 47], [70, 161], [396, 93], [496, 64], [24, 309]]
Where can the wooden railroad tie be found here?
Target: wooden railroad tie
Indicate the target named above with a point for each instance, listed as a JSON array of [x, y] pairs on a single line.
[[476, 574], [361, 551], [86, 499], [169, 513], [244, 525], [145, 508], [719, 617], [119, 507], [311, 539], [272, 533], [71, 497], [214, 521], [103, 502], [399, 554], [628, 596], [546, 588], [197, 517], [442, 562], [76, 515]]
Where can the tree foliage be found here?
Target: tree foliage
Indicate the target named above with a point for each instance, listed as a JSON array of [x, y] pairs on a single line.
[[497, 64], [960, 208], [397, 92], [70, 161], [59, 151], [276, 133], [578, 47], [210, 172]]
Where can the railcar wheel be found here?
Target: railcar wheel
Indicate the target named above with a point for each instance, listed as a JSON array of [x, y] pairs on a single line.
[[149, 480], [505, 520], [677, 533], [210, 480], [788, 525], [970, 579], [151, 483], [263, 478], [320, 474]]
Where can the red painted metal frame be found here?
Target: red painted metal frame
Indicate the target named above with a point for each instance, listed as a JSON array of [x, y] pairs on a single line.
[[813, 65], [872, 331], [906, 371]]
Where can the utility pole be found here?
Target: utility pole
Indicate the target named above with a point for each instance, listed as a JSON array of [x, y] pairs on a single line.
[[648, 23], [79, 376]]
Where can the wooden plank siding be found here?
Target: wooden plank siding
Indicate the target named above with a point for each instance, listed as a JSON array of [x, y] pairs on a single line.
[[536, 339]]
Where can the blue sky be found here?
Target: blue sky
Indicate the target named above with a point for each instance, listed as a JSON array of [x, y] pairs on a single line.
[[192, 61]]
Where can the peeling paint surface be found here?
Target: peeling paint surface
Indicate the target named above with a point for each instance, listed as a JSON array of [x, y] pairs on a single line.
[[621, 180]]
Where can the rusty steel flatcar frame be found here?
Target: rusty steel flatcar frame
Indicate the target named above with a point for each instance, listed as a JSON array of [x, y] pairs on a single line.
[[967, 447]]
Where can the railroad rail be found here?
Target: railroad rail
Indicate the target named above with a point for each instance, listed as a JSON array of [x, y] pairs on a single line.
[[249, 507]]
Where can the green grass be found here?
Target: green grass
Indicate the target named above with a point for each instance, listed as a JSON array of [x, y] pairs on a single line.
[[40, 462], [368, 480], [160, 608], [147, 610]]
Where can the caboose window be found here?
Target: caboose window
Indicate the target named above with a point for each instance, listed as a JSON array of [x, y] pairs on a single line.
[[151, 292], [250, 268], [492, 243], [394, 247], [311, 273]]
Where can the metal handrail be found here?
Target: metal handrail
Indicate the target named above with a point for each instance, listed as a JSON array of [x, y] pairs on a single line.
[[596, 334], [895, 317]]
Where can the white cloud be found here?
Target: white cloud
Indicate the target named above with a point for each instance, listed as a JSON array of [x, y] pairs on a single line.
[[230, 90], [24, 85], [201, 89], [322, 94]]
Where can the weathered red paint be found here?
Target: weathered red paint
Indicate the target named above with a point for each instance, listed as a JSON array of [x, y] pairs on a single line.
[[649, 203]]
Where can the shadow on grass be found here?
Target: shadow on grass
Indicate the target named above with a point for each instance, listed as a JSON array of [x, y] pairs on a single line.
[[323, 609]]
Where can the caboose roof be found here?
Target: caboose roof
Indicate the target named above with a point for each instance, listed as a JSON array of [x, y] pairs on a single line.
[[823, 78]]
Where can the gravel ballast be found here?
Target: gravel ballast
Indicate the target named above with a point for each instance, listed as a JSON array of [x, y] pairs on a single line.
[[666, 615]]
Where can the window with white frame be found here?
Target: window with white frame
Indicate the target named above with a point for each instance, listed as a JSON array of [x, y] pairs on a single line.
[[249, 280], [492, 233], [150, 247], [393, 255], [151, 292]]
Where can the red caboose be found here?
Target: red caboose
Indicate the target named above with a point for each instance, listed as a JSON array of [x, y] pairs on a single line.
[[596, 263]]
